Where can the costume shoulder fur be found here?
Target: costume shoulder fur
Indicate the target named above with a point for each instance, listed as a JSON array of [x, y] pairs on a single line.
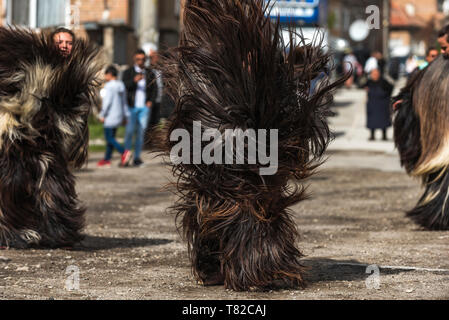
[[421, 126], [45, 101]]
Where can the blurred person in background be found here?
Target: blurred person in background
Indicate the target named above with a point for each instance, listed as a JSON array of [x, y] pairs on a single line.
[[378, 104], [376, 61], [141, 94], [431, 54], [443, 41], [113, 114], [351, 65], [167, 103], [410, 65], [156, 109]]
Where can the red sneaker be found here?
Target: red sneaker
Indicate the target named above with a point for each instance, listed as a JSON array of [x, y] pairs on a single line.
[[104, 164], [126, 158]]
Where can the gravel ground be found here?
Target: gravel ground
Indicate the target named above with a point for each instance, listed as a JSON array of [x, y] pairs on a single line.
[[132, 250]]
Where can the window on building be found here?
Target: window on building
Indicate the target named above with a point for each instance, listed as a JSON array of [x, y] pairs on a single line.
[[443, 6], [20, 12], [38, 13], [177, 8], [50, 13]]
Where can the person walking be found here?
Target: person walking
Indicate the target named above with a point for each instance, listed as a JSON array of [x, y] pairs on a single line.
[[431, 54], [141, 93], [155, 113], [378, 105], [113, 114], [156, 109], [351, 65], [376, 61]]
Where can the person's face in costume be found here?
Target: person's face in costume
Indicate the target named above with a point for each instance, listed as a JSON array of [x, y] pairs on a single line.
[[444, 46], [64, 42], [139, 60]]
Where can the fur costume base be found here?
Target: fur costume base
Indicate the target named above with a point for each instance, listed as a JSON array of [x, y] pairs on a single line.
[[231, 71], [244, 240], [432, 210], [422, 137], [45, 101]]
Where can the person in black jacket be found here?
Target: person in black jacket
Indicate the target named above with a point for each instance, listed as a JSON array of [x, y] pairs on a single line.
[[141, 94]]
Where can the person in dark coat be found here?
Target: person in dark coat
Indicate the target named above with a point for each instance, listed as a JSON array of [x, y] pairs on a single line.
[[378, 106]]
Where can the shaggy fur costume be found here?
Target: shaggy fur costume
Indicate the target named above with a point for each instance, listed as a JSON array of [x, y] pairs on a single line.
[[421, 126], [45, 100], [230, 71]]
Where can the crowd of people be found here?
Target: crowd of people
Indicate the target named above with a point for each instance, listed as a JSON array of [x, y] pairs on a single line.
[[379, 84], [134, 101]]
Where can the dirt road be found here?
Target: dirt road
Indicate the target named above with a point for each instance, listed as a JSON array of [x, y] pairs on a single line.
[[133, 251]]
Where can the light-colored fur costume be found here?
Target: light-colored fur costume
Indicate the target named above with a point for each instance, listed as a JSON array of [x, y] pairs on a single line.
[[45, 101], [421, 126]]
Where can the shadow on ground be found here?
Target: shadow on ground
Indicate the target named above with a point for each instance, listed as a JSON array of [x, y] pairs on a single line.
[[324, 269], [341, 104], [338, 134], [93, 243]]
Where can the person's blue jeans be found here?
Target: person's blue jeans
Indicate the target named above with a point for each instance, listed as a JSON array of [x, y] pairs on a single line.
[[109, 134], [137, 124]]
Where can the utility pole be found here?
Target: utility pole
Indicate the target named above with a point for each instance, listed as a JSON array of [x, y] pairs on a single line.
[[385, 27], [146, 12]]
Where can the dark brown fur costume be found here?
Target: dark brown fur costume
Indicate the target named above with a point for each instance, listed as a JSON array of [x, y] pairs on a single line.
[[45, 100], [421, 126], [230, 72]]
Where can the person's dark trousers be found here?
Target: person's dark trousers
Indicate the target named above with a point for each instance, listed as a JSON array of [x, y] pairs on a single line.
[[109, 134], [153, 121], [384, 134], [155, 115]]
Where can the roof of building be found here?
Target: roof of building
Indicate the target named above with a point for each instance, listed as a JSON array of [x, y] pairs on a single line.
[[400, 18]]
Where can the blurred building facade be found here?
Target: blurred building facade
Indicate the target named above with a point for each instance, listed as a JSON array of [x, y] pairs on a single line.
[[342, 16], [119, 26], [406, 26], [169, 21], [414, 25]]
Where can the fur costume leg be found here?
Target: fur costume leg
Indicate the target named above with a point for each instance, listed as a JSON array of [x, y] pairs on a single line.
[[421, 125], [45, 101], [230, 71]]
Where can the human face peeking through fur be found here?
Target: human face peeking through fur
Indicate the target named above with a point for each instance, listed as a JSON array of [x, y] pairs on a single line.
[[64, 42]]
